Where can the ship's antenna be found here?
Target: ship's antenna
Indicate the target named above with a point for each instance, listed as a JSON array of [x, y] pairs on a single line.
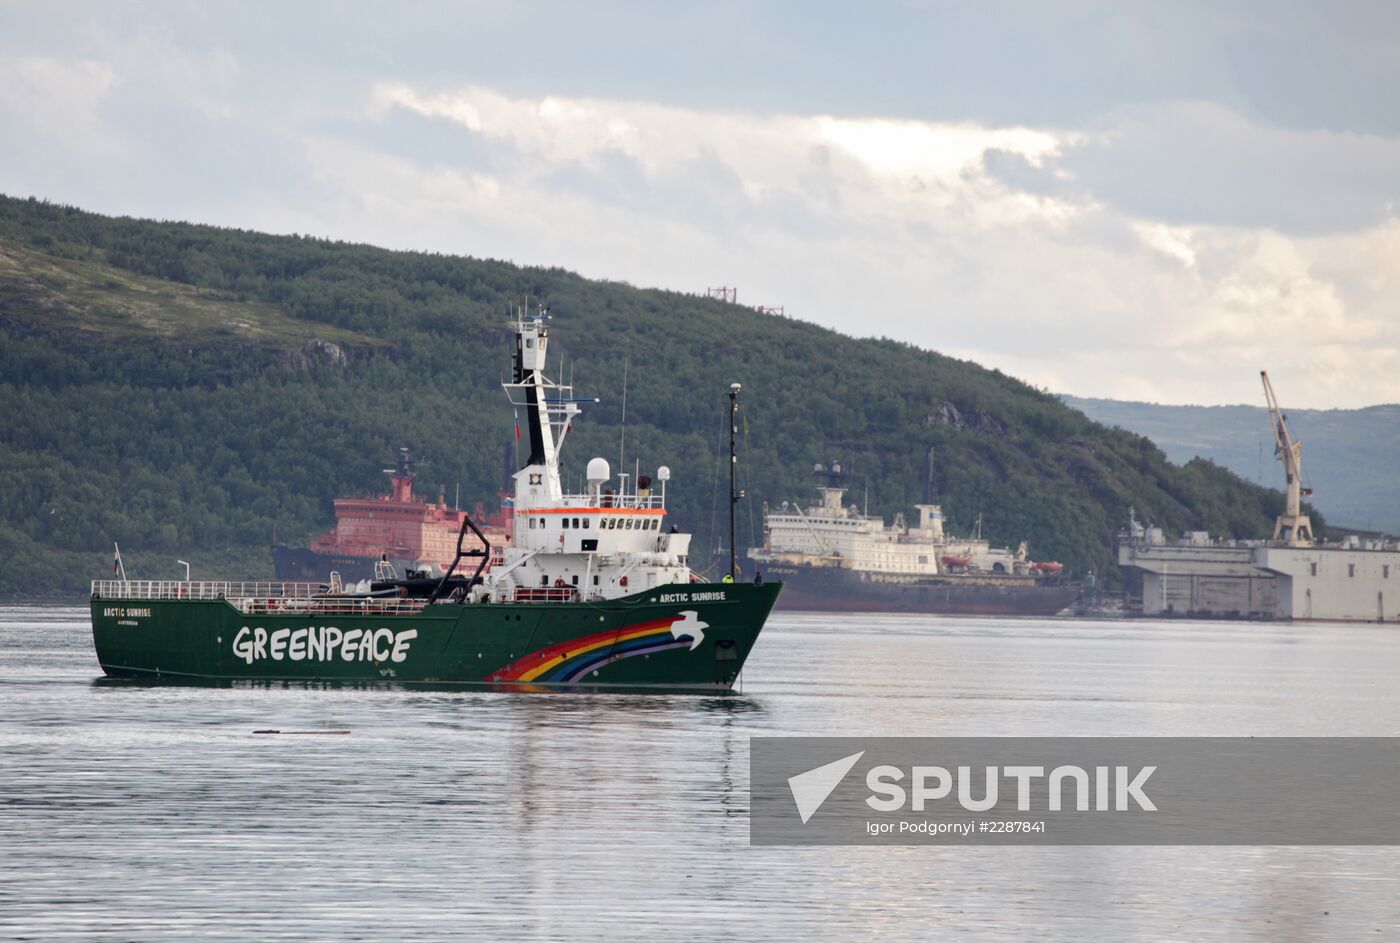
[[734, 493]]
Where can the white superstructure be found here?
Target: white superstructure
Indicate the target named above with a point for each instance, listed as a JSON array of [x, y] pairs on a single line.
[[834, 534], [607, 542]]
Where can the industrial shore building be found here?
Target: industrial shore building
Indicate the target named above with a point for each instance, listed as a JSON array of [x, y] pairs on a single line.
[[1291, 576]]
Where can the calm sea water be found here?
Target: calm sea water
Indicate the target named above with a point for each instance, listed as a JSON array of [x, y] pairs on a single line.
[[155, 813]]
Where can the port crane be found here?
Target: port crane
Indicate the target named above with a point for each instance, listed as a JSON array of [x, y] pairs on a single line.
[[1292, 528]]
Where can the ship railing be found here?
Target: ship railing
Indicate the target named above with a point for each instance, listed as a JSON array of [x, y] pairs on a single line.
[[544, 594], [331, 606], [612, 501], [202, 589]]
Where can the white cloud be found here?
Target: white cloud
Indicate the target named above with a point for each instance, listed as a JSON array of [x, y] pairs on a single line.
[[60, 98], [1169, 252], [876, 226]]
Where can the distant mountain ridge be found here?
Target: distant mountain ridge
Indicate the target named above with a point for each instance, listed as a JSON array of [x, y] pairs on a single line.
[[1351, 457]]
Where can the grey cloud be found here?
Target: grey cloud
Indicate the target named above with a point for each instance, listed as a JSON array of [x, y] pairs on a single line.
[[1017, 172], [1293, 63], [426, 140], [1197, 162]]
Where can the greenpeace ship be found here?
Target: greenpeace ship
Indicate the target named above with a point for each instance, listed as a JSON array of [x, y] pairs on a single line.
[[408, 533], [591, 589]]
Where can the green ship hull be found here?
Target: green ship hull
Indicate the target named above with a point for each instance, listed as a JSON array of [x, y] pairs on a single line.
[[694, 636]]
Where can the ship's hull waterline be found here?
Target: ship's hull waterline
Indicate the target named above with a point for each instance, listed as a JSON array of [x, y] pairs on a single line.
[[681, 637], [833, 589]]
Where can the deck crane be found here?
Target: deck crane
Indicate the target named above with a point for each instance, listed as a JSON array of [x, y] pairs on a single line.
[[1292, 528]]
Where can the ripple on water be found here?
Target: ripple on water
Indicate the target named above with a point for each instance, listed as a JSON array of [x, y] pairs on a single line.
[[155, 813]]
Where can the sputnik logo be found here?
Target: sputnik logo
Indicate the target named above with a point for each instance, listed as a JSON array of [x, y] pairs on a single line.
[[811, 789], [689, 626]]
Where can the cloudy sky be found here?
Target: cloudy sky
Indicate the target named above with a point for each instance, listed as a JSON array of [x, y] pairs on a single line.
[[1144, 201]]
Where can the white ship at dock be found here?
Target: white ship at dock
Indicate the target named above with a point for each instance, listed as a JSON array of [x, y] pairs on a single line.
[[833, 557]]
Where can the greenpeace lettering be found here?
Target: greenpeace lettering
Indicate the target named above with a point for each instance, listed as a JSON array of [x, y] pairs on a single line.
[[322, 643]]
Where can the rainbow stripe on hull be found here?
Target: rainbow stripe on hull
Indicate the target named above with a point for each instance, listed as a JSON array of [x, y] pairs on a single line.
[[572, 661]]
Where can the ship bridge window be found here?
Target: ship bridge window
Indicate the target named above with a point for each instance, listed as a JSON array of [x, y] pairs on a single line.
[[585, 523], [1385, 571], [566, 523], [532, 523], [575, 523], [1313, 566], [544, 579], [1351, 569], [541, 523]]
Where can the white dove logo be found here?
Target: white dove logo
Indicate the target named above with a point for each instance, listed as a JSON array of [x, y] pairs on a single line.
[[690, 626]]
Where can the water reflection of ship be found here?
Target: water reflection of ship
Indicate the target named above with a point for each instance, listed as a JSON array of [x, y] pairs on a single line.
[[411, 534]]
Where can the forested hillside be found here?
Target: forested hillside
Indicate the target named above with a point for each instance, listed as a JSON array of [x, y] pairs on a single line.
[[185, 390]]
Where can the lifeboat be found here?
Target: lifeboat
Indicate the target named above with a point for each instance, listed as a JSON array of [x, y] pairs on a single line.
[[955, 561], [1049, 566]]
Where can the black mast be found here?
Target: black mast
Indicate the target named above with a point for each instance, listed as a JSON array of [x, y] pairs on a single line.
[[734, 494]]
